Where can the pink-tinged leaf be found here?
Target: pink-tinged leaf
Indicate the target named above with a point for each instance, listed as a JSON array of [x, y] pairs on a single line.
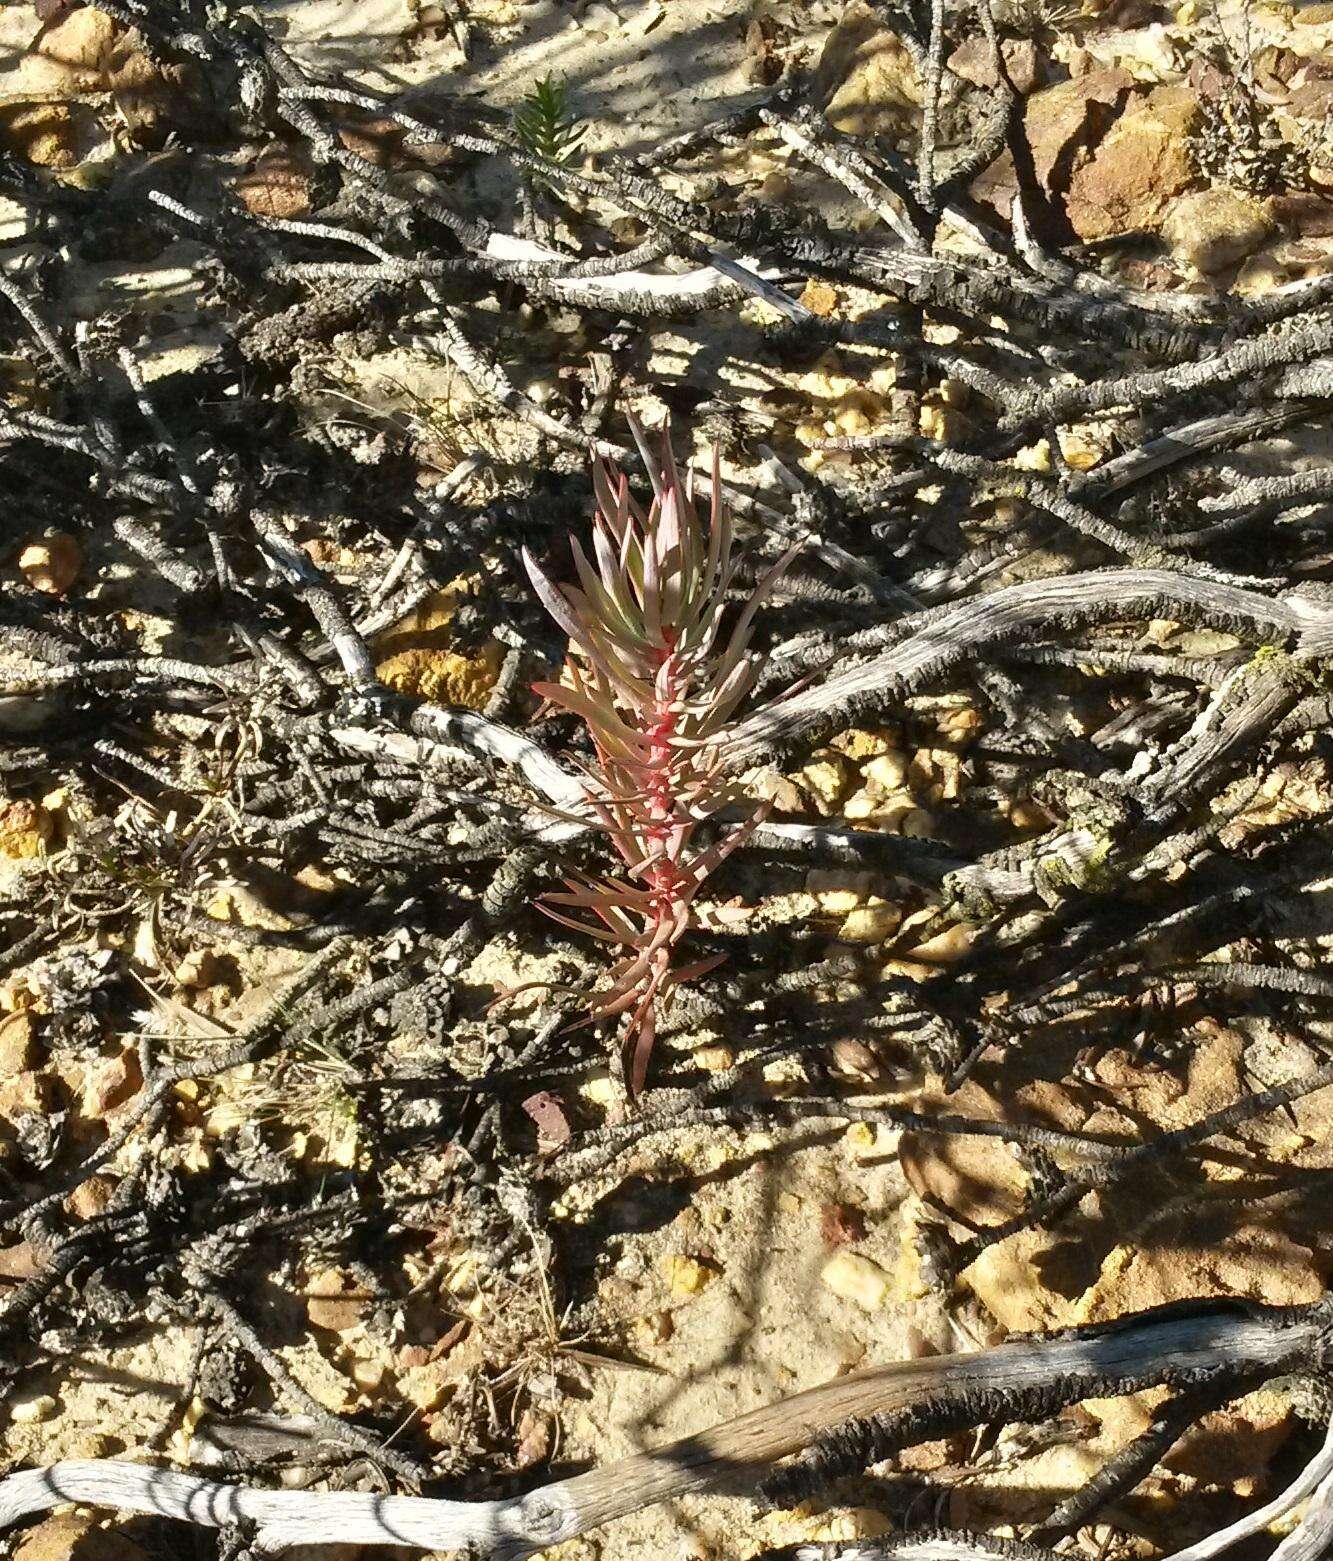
[[608, 566], [666, 546], [574, 925], [709, 861], [840, 1224], [551, 598], [639, 1047], [741, 633], [646, 452], [611, 730], [548, 1113], [599, 899], [701, 967]]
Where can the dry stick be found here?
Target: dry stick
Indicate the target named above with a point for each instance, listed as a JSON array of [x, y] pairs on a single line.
[[1313, 1476], [844, 165], [1177, 1141], [931, 1545], [1313, 1535], [1184, 443], [1247, 360], [1299, 488], [946, 636], [488, 379], [927, 191], [1124, 1469], [1170, 1345], [158, 1085], [642, 291], [325, 607], [215, 1303], [1048, 497], [159, 670]]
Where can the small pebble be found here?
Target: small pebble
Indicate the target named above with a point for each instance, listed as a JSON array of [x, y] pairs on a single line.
[[852, 1277], [685, 1275], [51, 564], [31, 1411], [887, 773], [871, 923]]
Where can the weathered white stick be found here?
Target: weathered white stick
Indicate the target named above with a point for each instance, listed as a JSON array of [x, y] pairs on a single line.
[[1166, 1345]]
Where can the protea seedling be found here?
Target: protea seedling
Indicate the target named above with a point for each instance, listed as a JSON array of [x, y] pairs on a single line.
[[657, 670]]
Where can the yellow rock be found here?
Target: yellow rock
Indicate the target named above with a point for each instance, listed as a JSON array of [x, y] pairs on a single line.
[[871, 923], [861, 805], [1214, 228], [29, 1411], [368, 1374], [333, 1301], [1035, 457], [1081, 447], [865, 81], [51, 564], [824, 779], [859, 745], [854, 1523], [886, 773], [819, 297], [43, 133], [244, 907], [837, 902], [425, 1387], [854, 1059], [936, 773], [961, 726], [601, 1090], [18, 1043], [25, 829], [1026, 814], [899, 815], [714, 1059], [195, 1155], [443, 677], [946, 946], [851, 419], [685, 1275], [823, 880], [1259, 275], [767, 782], [654, 1328], [828, 382], [462, 1276], [945, 424], [852, 1277], [417, 656], [199, 968]]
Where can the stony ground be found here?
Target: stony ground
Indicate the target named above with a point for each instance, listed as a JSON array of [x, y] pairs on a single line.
[[171, 861]]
